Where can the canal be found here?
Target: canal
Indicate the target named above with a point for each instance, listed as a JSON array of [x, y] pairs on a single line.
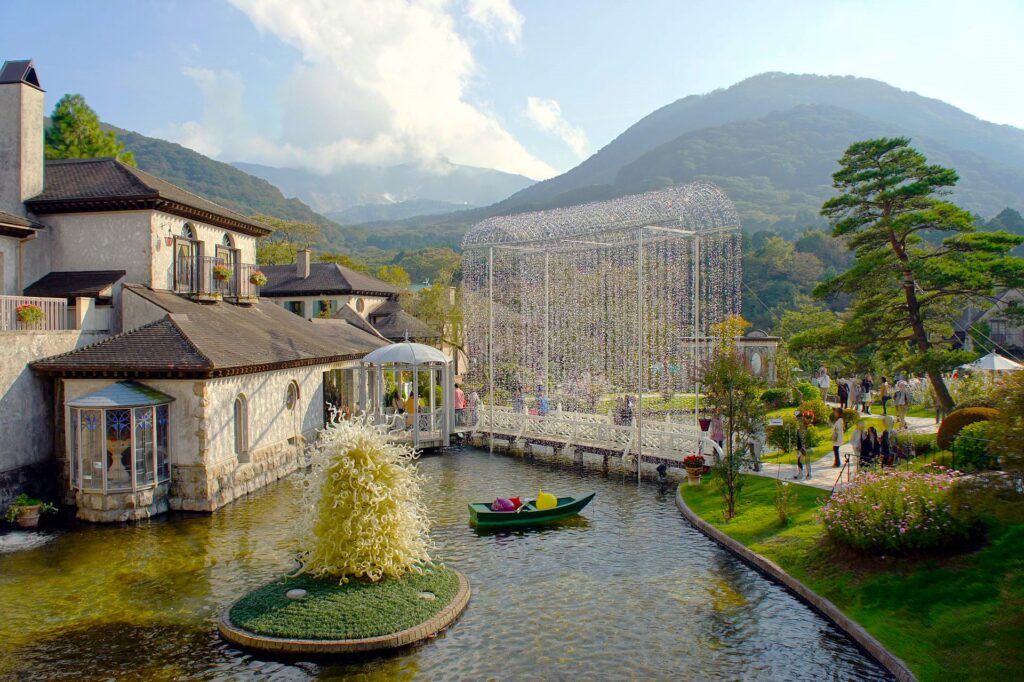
[[628, 591]]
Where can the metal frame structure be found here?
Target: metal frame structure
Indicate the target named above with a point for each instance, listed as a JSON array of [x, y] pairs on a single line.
[[679, 249]]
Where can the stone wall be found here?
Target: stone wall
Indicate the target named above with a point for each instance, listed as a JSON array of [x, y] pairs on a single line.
[[26, 409]]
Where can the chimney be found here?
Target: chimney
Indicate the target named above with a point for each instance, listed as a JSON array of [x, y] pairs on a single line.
[[21, 135], [302, 263]]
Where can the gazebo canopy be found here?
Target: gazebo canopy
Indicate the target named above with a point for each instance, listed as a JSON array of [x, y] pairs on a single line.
[[993, 362], [406, 353]]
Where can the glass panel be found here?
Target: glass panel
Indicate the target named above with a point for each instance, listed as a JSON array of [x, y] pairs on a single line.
[[182, 263], [119, 450], [73, 448], [163, 464], [91, 440], [226, 255], [295, 307], [143, 446]]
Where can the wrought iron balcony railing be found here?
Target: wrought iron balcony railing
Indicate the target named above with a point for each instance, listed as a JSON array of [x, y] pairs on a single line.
[[206, 277]]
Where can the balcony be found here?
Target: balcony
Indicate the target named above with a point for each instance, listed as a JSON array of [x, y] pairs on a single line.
[[202, 277], [54, 314]]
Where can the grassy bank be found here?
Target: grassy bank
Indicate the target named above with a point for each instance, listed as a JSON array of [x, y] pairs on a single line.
[[949, 618]]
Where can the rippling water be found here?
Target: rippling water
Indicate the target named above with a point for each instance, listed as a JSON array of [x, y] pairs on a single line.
[[629, 591]]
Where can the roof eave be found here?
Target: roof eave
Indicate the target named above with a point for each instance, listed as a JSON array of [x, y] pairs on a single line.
[[113, 372]]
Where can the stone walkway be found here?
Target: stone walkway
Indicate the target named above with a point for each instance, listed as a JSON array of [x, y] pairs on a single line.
[[823, 474]]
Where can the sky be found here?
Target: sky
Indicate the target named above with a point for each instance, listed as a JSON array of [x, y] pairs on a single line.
[[524, 86]]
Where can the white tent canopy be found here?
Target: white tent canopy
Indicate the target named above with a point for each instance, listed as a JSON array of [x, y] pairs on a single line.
[[406, 353], [994, 362]]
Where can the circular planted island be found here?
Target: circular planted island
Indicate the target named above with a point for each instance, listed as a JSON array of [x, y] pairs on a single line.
[[354, 617]]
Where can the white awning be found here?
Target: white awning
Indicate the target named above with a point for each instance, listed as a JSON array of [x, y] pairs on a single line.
[[994, 362], [121, 394]]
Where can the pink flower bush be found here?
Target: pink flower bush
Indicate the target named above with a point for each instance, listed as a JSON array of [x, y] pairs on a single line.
[[896, 512]]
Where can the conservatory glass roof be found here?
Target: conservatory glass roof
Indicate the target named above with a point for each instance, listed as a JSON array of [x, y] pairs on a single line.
[[121, 394]]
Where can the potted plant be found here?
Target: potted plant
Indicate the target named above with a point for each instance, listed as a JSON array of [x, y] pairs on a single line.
[[257, 278], [29, 314], [222, 273], [26, 510], [694, 465]]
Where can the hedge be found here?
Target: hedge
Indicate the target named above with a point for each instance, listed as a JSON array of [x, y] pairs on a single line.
[[951, 426]]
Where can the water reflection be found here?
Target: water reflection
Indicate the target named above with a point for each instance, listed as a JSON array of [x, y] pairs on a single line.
[[628, 591]]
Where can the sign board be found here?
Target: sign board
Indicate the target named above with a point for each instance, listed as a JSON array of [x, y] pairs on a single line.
[[774, 421]]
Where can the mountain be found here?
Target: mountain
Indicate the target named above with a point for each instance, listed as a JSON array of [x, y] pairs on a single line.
[[358, 184], [369, 213], [996, 146], [215, 180]]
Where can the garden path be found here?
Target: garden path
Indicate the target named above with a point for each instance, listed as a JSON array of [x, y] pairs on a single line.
[[823, 474]]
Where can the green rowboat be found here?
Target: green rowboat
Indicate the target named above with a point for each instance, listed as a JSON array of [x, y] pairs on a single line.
[[481, 516]]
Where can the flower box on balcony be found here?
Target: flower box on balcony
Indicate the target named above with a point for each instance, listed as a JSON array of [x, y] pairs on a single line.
[[222, 273], [29, 313], [258, 278]]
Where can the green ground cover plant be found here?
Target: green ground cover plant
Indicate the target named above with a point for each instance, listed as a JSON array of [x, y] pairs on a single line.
[[953, 617], [357, 609]]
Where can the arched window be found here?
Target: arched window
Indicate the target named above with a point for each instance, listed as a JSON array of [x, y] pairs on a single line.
[[187, 232], [291, 396], [241, 418], [185, 252], [226, 251], [228, 241]]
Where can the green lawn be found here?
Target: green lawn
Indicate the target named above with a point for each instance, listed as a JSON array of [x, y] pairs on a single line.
[[354, 610], [949, 618]]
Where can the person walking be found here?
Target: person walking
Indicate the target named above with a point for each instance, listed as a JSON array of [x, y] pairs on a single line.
[[883, 394], [901, 401], [801, 448], [856, 440], [824, 382], [865, 395], [855, 390], [460, 405], [717, 430], [838, 431], [843, 389]]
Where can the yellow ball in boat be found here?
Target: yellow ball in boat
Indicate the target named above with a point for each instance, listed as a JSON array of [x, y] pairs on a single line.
[[546, 501]]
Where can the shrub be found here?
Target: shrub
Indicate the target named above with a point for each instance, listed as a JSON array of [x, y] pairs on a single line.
[[777, 397], [958, 419], [971, 447], [808, 391], [361, 510], [850, 417], [897, 512], [817, 407], [784, 501], [784, 437]]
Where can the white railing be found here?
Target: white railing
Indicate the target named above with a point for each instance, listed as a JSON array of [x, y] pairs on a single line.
[[55, 313]]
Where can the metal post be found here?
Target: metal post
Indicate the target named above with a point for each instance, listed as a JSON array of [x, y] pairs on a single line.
[[640, 352], [547, 308], [490, 339], [696, 329], [415, 407]]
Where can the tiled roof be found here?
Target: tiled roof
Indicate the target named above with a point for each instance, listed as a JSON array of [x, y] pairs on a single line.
[[395, 324], [324, 279], [356, 320], [213, 340], [90, 283], [17, 220], [108, 184]]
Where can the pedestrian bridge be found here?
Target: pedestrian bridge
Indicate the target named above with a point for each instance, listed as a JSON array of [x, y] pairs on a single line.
[[650, 442]]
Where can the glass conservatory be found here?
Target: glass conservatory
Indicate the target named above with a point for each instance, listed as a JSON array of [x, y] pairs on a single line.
[[118, 439]]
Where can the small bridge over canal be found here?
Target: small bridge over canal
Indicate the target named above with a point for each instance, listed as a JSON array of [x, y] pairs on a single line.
[[578, 434]]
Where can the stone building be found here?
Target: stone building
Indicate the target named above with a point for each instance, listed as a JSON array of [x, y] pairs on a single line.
[[150, 375]]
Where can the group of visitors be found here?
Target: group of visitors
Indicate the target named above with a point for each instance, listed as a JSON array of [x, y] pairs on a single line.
[[858, 393], [870, 448], [466, 408], [624, 411]]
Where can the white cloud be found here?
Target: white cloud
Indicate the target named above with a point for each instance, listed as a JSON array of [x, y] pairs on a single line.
[[498, 16], [546, 114], [380, 81]]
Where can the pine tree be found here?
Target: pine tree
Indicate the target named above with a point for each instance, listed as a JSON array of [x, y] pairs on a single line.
[[907, 282], [75, 133]]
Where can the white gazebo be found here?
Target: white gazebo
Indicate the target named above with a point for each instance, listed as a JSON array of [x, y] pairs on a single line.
[[397, 372], [993, 362]]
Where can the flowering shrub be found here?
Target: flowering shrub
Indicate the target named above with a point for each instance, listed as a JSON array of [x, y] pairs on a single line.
[[361, 513], [222, 272], [901, 512], [818, 408], [258, 278], [29, 313], [693, 462], [784, 437]]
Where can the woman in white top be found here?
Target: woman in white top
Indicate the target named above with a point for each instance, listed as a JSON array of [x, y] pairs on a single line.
[[838, 430]]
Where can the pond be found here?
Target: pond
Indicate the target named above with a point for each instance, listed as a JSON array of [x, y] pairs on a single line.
[[628, 591]]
